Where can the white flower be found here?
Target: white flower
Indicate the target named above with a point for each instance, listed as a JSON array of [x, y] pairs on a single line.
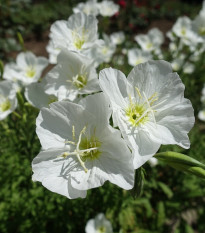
[[137, 56], [202, 12], [188, 68], [28, 68], [98, 225], [89, 8], [8, 100], [178, 62], [10, 73], [117, 37], [152, 41], [201, 115], [80, 149], [198, 26], [37, 97], [183, 29], [102, 52], [74, 74], [149, 107], [153, 162], [108, 8], [79, 33]]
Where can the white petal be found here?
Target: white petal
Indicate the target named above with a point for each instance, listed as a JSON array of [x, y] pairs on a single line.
[[114, 84]]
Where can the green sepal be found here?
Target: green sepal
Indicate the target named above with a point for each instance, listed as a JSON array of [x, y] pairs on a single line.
[[182, 162], [21, 41]]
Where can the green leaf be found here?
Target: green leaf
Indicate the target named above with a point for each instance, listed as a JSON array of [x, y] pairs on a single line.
[[161, 214], [166, 189], [182, 162]]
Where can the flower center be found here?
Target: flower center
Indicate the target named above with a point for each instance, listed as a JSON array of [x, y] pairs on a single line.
[[88, 143], [138, 61], [52, 99], [183, 31], [30, 73], [139, 113], [136, 114], [78, 40], [149, 45], [101, 229], [202, 31], [104, 50], [80, 81], [87, 148], [5, 105]]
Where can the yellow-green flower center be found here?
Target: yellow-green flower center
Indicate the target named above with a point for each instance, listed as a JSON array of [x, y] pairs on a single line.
[[79, 43], [86, 148], [202, 31], [135, 114], [6, 105], [78, 39], [149, 45], [183, 31], [88, 143], [30, 73], [80, 81], [138, 61], [52, 99], [139, 111], [101, 229]]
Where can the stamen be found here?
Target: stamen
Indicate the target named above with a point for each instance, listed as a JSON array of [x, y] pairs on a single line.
[[73, 132], [149, 108], [138, 92]]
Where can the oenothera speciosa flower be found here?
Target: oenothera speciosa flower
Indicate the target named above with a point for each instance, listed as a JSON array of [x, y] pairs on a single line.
[[80, 150], [8, 101], [78, 33], [99, 225], [89, 8], [108, 8], [117, 37], [74, 74], [27, 69], [152, 41], [149, 107], [137, 56]]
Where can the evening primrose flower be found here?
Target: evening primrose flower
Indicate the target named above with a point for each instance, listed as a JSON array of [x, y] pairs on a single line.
[[28, 68], [8, 100], [80, 150], [117, 37], [198, 26], [201, 115], [137, 56], [99, 225], [78, 33], [108, 8], [149, 107], [89, 8], [152, 41], [73, 75]]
